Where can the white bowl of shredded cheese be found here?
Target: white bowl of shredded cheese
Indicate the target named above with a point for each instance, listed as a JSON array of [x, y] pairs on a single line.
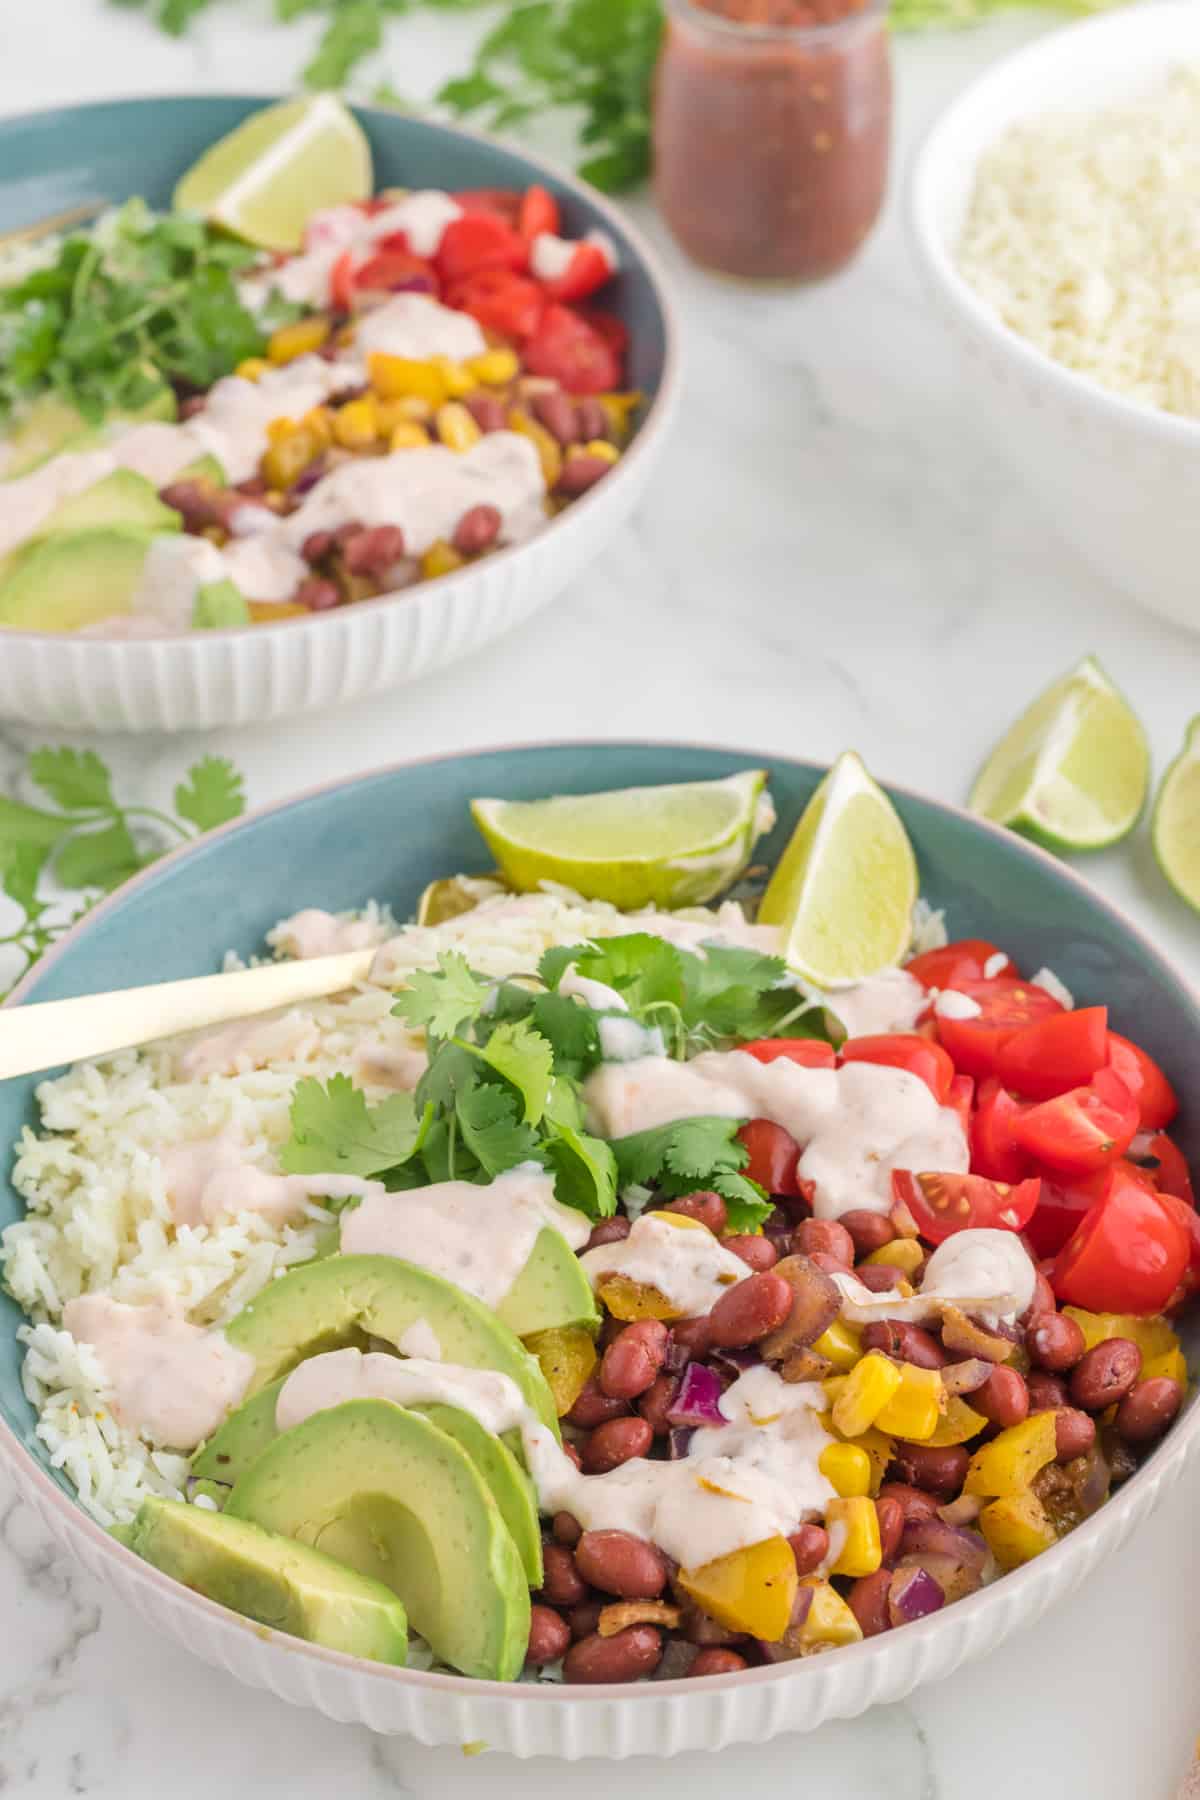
[[1054, 211]]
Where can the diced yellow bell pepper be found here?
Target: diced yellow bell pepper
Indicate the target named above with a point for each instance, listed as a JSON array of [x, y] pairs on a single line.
[[267, 612], [567, 1356], [600, 447], [408, 410], [394, 377], [847, 1468], [455, 426], [1171, 1364], [879, 1450], [840, 1344], [901, 1253], [833, 1387], [915, 1408], [868, 1387], [750, 1590], [680, 1222], [495, 368], [408, 435], [441, 558], [288, 456], [626, 1299], [1016, 1529], [300, 339], [1153, 1336], [1009, 1463], [318, 422], [252, 367], [957, 1424], [544, 442], [856, 1521], [459, 378], [619, 410], [830, 1621]]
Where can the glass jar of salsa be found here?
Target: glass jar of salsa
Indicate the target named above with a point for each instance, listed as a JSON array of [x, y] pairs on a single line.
[[772, 125]]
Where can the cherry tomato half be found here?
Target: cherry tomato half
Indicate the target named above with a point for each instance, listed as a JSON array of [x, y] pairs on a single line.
[[943, 1203], [500, 301], [1154, 1094], [1061, 1210], [1171, 1174], [341, 282], [393, 271], [1081, 1130], [589, 268], [496, 203], [774, 1154], [570, 351], [961, 1098], [994, 1150], [810, 1053], [1006, 1006], [904, 1050], [479, 241], [964, 961], [1055, 1054], [539, 212], [1128, 1254]]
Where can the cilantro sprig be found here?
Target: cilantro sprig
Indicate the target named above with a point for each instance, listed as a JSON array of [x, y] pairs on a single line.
[[695, 1153], [93, 842]]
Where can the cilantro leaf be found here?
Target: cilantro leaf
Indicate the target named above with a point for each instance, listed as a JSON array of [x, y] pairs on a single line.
[[571, 1031], [20, 867], [453, 1071], [335, 1132], [491, 1131], [100, 859], [212, 793], [645, 970], [585, 1171], [76, 779], [746, 1204], [521, 1056], [681, 1157], [445, 1002]]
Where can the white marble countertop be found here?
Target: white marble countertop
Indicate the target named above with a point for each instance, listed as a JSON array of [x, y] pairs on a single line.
[[830, 556]]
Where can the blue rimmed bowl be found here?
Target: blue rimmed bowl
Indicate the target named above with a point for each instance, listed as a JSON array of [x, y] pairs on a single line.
[[53, 160], [386, 835]]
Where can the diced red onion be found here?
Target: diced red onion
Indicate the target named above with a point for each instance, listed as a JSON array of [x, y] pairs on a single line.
[[934, 1535], [696, 1402], [963, 1511], [964, 1377], [735, 1362], [678, 1439], [1093, 1490], [954, 1574], [913, 1594], [316, 471]]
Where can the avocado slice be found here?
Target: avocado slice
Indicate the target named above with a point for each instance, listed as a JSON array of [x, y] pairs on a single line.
[[389, 1493], [346, 1299], [272, 1579], [552, 1290], [205, 468], [247, 1432], [219, 604], [122, 498], [52, 424], [73, 578]]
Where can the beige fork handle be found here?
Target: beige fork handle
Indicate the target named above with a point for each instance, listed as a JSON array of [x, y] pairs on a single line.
[[63, 1031]]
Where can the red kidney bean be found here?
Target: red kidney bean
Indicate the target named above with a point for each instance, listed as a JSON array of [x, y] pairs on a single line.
[[195, 501], [1148, 1409], [829, 1237], [317, 594], [344, 533], [592, 420], [195, 403], [705, 1207], [562, 1584], [810, 1547], [869, 1231], [617, 1442], [1046, 1392], [549, 1636], [693, 1337], [1105, 1373], [717, 1662], [757, 1252], [656, 1402], [1043, 1301], [585, 1618], [1055, 1342], [750, 1310], [1074, 1433], [477, 530], [891, 1525], [581, 472], [868, 1601], [316, 545], [629, 1655], [634, 1358], [905, 1343], [821, 1259], [618, 1563], [939, 1470], [373, 551], [881, 1278], [566, 1529], [1003, 1399], [594, 1407], [914, 1503], [557, 412], [608, 1231], [610, 1330], [487, 410]]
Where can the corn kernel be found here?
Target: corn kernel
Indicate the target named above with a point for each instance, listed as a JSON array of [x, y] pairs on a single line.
[[407, 436], [861, 1552], [455, 427], [442, 559], [547, 446], [869, 1386], [457, 376], [601, 448], [289, 455], [251, 367], [495, 368], [408, 410], [318, 422], [280, 430], [394, 377], [879, 1450], [354, 424], [300, 339], [901, 1253], [916, 1406], [619, 410], [847, 1469], [840, 1344], [829, 1621], [265, 612]]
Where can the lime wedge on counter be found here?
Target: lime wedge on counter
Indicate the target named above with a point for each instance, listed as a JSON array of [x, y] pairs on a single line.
[[264, 179], [1176, 826], [843, 890], [1073, 771], [654, 846]]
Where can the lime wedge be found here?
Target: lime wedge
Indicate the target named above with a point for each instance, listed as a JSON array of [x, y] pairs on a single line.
[[264, 180], [844, 889], [1073, 771], [652, 846], [1176, 826]]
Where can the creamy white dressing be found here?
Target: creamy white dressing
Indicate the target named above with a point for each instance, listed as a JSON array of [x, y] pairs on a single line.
[[313, 932], [249, 1044], [233, 423], [27, 501], [730, 929], [262, 568], [892, 1000], [624, 1040], [172, 1381], [420, 1339], [177, 566], [422, 216], [595, 994], [212, 1178], [479, 1237], [689, 1267], [414, 325], [979, 1271], [340, 1375]]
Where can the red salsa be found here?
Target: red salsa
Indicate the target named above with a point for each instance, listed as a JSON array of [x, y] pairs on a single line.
[[771, 132]]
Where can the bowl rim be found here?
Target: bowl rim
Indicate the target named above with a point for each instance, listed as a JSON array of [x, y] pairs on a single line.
[[644, 444], [936, 260], [1112, 1522]]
